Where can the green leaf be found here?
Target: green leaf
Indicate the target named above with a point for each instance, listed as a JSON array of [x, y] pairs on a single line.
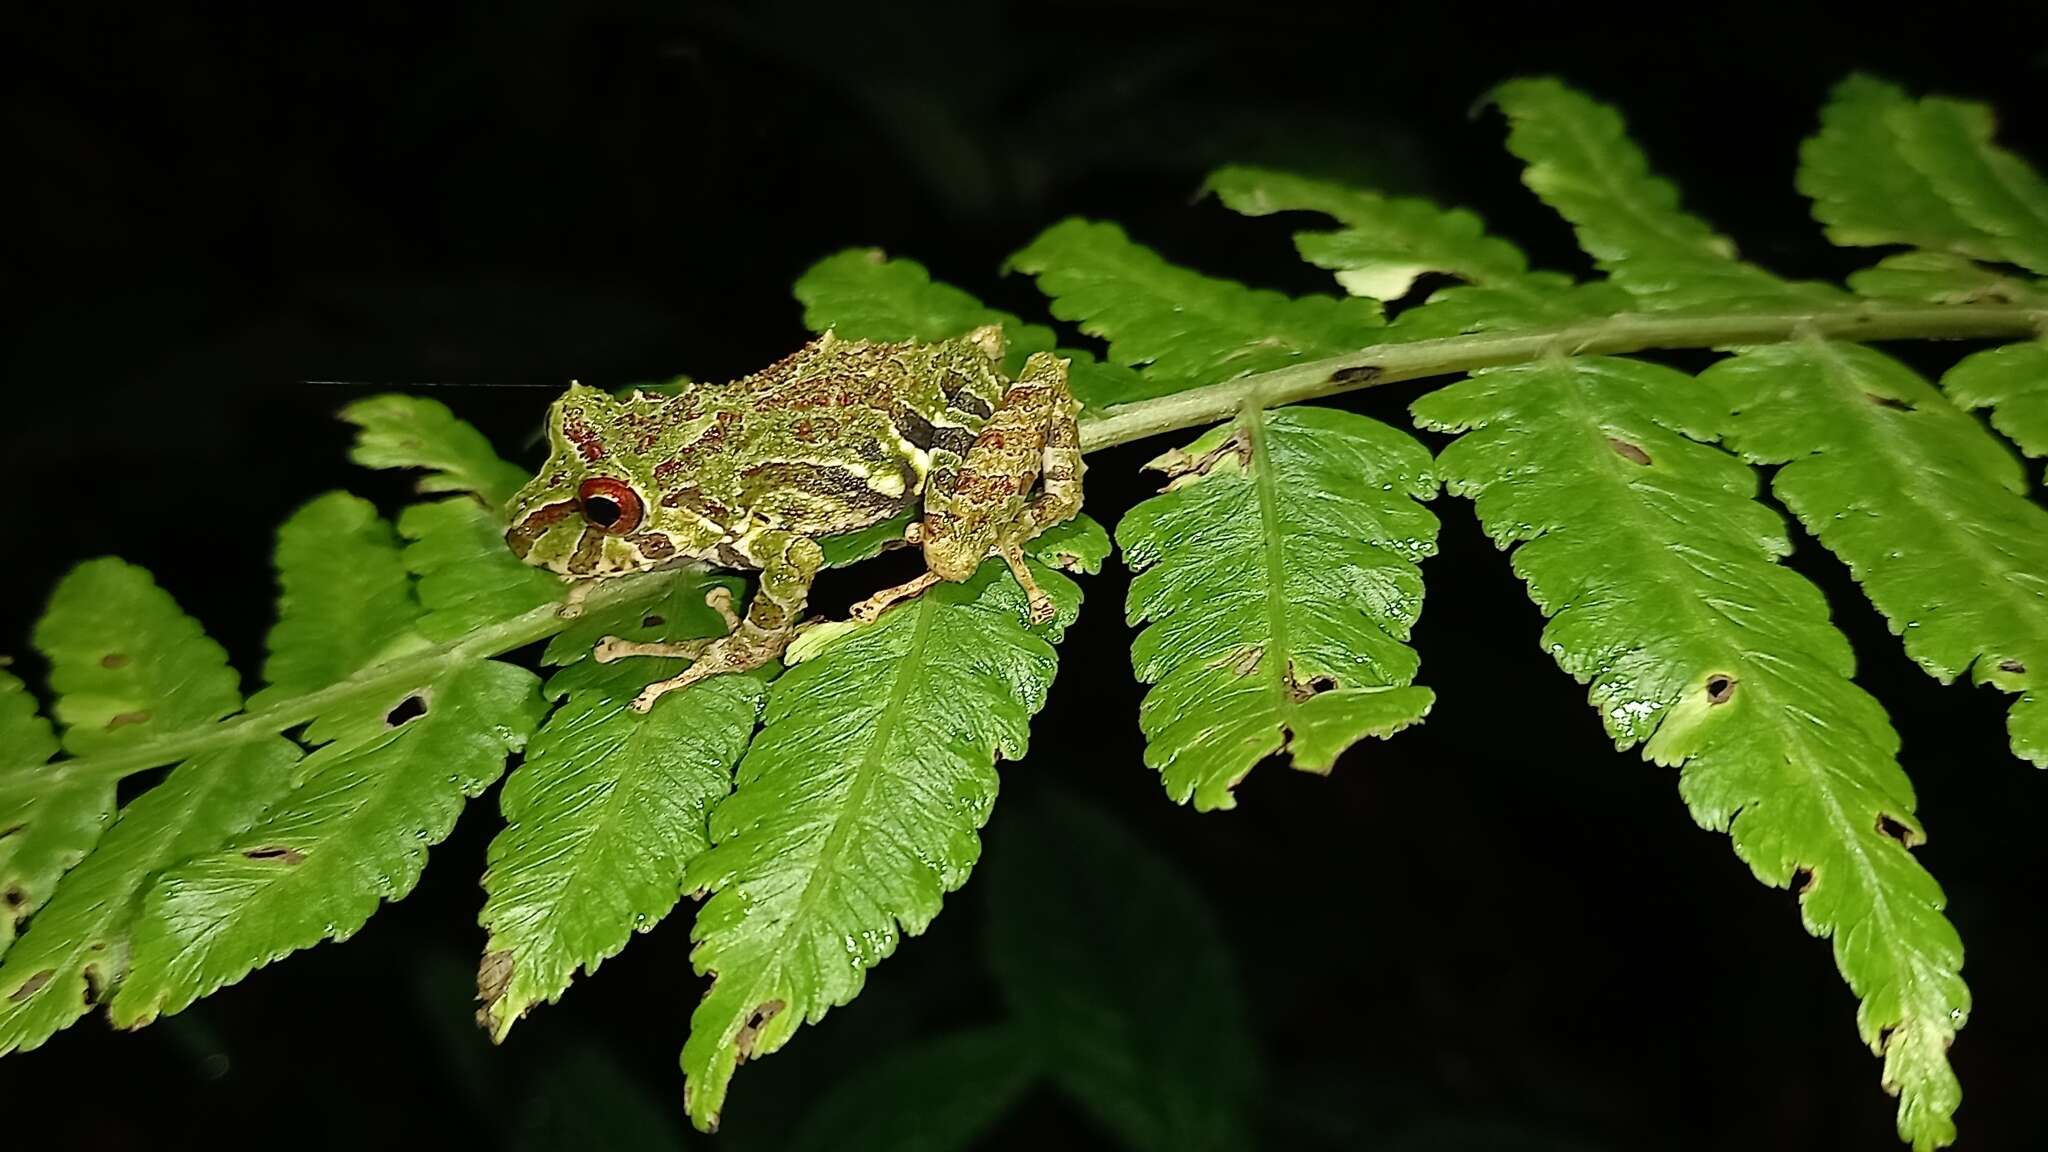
[[2011, 381], [599, 821], [677, 611], [1939, 278], [45, 824], [856, 810], [1657, 569], [1535, 300], [1184, 328], [863, 295], [942, 1095], [468, 579], [1886, 169], [1076, 545], [1387, 242], [354, 833], [345, 596], [1276, 576], [125, 662], [1928, 510], [402, 431], [1582, 163], [1116, 970], [77, 947]]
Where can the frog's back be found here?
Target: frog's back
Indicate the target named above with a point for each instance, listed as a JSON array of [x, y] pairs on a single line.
[[833, 438]]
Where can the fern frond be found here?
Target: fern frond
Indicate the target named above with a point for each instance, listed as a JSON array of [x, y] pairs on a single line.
[[1179, 327], [599, 821], [405, 431], [2011, 381], [1387, 242], [1887, 169], [1080, 915], [45, 825], [864, 295], [1276, 578], [393, 771], [1928, 510], [126, 664], [1390, 241], [856, 810], [344, 595], [352, 834], [78, 947], [1582, 163], [1657, 569], [1940, 278]]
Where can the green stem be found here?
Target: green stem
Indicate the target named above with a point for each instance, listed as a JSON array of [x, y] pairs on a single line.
[[381, 680], [1628, 332], [1121, 424]]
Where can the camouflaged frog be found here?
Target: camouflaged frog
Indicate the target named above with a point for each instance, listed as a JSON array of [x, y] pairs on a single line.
[[840, 436]]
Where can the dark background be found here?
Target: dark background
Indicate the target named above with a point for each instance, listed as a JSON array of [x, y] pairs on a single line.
[[1493, 931]]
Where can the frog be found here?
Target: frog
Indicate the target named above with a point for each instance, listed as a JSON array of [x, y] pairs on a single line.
[[754, 474]]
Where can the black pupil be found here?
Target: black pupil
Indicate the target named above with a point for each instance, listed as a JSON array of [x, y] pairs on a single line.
[[602, 511]]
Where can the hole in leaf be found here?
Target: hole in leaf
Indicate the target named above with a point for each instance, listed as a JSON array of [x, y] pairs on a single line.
[[92, 984], [275, 852], [743, 1040], [31, 986], [1888, 402], [652, 621], [1802, 880], [1889, 827], [114, 660], [126, 718], [1628, 451], [13, 897], [1720, 689], [2012, 666], [410, 708]]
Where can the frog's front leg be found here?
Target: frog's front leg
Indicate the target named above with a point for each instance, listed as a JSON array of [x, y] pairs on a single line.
[[788, 565], [1032, 438]]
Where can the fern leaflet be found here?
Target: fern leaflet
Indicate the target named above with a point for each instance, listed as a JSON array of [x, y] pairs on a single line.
[[2011, 381], [1657, 570], [1276, 578], [1928, 510], [855, 810]]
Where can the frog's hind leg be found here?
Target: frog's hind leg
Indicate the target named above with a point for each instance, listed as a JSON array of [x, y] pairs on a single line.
[[788, 565]]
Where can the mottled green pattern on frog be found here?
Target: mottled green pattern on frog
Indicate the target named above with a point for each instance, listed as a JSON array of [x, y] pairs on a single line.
[[840, 436]]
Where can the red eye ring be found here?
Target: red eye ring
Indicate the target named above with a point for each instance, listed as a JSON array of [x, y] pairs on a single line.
[[610, 506]]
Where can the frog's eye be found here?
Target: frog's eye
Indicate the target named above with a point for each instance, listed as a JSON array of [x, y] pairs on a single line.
[[609, 505]]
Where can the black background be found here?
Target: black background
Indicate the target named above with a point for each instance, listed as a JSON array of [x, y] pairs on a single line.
[[1492, 924]]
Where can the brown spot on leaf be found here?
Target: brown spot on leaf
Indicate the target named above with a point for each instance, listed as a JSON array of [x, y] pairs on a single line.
[[114, 660], [652, 621], [1359, 376], [13, 897], [1888, 402], [493, 976], [743, 1040], [2012, 666], [126, 718], [1802, 880], [31, 986], [1244, 661], [1628, 451], [93, 984], [290, 856], [411, 708], [1299, 689], [1720, 689]]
